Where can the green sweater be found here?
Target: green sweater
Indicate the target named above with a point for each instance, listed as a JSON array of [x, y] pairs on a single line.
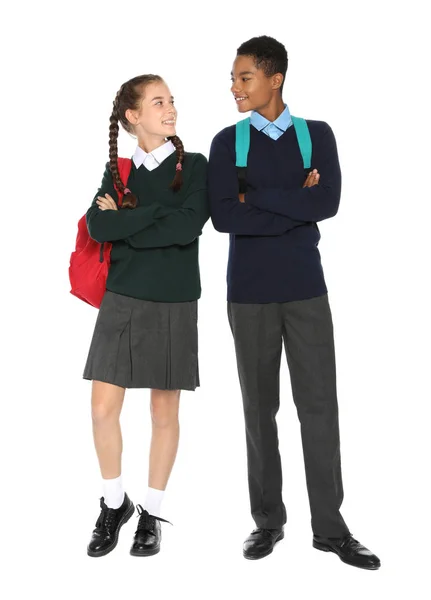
[[155, 246]]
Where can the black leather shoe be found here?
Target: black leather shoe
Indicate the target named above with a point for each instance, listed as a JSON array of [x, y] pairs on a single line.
[[349, 550], [148, 534], [108, 525], [261, 542]]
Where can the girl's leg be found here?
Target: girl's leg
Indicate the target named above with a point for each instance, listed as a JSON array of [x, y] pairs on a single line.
[[116, 506], [106, 404], [164, 444]]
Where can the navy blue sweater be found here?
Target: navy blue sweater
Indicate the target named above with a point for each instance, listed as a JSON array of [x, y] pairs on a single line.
[[273, 253]]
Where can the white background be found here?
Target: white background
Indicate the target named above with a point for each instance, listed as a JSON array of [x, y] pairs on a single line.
[[364, 68]]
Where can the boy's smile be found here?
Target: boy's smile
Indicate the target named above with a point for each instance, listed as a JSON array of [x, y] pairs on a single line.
[[253, 90]]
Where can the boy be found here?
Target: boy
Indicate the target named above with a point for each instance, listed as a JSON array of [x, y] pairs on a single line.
[[276, 293]]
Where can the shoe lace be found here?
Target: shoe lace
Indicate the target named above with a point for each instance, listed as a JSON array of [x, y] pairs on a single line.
[[146, 521], [106, 520], [262, 532], [350, 542]]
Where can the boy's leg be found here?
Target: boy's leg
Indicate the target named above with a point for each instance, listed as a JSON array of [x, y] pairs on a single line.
[[257, 331], [309, 344]]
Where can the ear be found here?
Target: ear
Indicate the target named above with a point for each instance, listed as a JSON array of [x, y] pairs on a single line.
[[131, 116], [277, 80]]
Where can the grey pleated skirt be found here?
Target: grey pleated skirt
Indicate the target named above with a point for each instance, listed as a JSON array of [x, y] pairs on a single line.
[[142, 344]]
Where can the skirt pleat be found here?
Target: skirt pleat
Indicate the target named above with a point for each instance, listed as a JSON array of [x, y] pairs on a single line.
[[143, 344]]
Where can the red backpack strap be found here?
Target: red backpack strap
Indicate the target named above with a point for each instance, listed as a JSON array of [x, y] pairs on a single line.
[[124, 168]]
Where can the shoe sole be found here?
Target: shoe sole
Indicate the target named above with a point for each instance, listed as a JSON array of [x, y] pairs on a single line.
[[280, 537], [145, 552], [324, 548], [123, 521]]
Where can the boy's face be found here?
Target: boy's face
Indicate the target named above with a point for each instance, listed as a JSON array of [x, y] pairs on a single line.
[[251, 88]]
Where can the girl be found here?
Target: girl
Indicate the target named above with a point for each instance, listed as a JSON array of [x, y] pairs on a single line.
[[146, 331]]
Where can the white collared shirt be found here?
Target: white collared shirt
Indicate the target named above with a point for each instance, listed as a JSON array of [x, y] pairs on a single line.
[[151, 160]]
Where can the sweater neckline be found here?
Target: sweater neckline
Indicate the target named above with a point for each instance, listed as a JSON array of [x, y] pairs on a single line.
[[284, 135], [158, 170]]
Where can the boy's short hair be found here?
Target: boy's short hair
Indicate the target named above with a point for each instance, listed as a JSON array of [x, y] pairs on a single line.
[[269, 55]]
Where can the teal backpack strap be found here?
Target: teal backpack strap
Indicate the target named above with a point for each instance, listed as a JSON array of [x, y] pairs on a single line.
[[304, 140], [242, 142]]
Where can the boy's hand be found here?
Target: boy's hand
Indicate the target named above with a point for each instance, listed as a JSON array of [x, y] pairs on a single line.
[[106, 203], [312, 178], [242, 198]]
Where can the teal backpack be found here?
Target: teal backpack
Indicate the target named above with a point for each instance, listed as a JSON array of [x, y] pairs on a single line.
[[242, 145]]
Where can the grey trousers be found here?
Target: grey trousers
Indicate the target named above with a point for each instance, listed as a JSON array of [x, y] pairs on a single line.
[[306, 328]]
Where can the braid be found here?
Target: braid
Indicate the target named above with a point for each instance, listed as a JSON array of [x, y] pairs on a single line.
[[178, 179], [129, 97], [129, 200]]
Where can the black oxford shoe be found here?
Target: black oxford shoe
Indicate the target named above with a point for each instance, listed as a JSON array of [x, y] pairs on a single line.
[[108, 525], [349, 550], [148, 535], [261, 542]]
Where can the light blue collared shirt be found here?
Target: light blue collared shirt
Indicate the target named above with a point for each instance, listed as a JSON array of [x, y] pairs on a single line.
[[274, 129]]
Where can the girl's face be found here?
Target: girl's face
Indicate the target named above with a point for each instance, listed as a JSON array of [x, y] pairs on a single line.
[[157, 116], [251, 88]]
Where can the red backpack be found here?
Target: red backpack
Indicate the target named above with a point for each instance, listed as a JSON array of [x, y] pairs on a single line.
[[89, 263]]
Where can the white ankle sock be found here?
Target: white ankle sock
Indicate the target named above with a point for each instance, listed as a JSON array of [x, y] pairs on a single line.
[[153, 501], [113, 492]]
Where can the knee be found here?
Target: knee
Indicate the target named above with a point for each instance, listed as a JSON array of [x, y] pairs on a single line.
[[102, 412]]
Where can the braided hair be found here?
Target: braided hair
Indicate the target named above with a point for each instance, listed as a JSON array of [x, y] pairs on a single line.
[[129, 97]]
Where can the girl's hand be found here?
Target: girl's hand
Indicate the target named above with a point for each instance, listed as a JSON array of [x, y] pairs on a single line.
[[106, 203], [312, 178]]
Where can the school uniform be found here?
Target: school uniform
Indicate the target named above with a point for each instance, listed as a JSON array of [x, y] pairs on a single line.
[[276, 293], [146, 330]]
